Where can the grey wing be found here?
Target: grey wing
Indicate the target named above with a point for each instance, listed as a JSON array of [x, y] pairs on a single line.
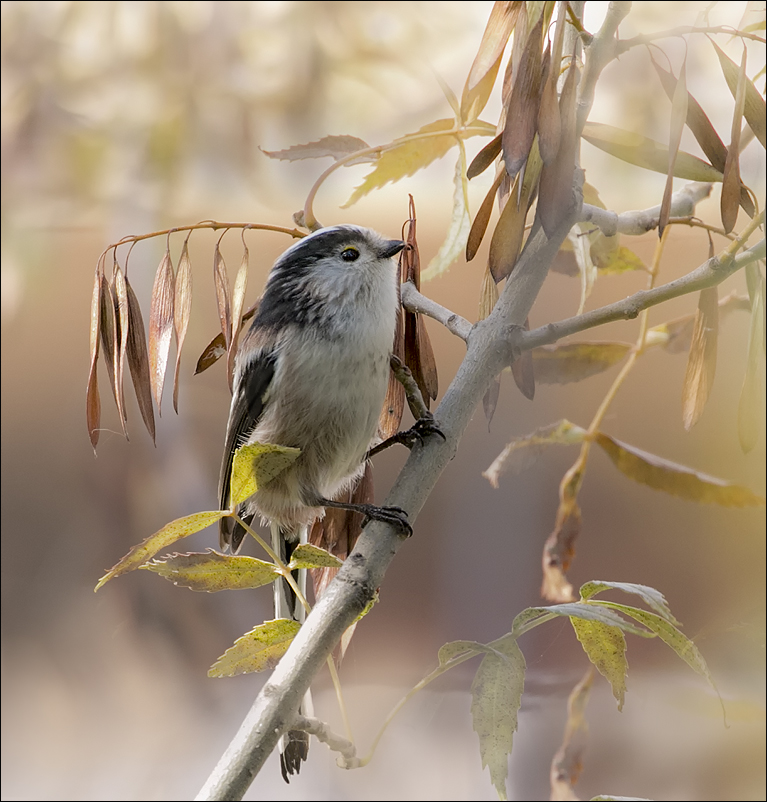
[[246, 410]]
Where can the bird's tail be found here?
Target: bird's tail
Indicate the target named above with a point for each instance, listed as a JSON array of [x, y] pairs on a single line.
[[294, 745]]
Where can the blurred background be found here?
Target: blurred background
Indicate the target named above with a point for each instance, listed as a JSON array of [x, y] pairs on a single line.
[[128, 117]]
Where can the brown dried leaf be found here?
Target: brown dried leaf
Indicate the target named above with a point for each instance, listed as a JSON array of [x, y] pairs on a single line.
[[221, 281], [138, 360], [216, 348], [701, 361], [754, 106], [120, 300], [108, 331], [646, 153], [394, 403], [490, 400], [751, 404], [523, 371], [522, 113], [549, 122], [92, 399], [484, 158], [335, 146], [558, 553], [670, 477], [488, 295], [678, 118], [573, 362], [182, 310], [482, 218], [556, 186], [568, 761], [160, 327], [484, 69], [731, 181], [238, 301], [506, 242], [704, 132]]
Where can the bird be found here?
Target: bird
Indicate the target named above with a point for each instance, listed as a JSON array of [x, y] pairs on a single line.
[[311, 373]]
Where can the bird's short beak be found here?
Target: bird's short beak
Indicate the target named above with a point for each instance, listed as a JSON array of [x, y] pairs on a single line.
[[392, 248]]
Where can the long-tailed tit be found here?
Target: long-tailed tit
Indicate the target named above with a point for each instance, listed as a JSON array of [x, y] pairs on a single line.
[[312, 373]]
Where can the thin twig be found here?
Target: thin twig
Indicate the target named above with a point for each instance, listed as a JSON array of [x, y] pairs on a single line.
[[413, 301], [646, 38]]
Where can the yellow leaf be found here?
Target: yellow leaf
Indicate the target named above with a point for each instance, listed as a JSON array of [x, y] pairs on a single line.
[[605, 646], [257, 650], [678, 480], [170, 533], [255, 465], [212, 571], [701, 360], [308, 556], [751, 404]]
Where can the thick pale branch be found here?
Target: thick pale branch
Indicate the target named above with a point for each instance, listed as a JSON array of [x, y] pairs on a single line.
[[413, 301], [709, 274], [362, 572], [636, 222]]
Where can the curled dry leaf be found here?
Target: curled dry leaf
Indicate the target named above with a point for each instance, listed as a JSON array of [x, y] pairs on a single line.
[[670, 477], [522, 111], [238, 301], [701, 360], [731, 180], [646, 153], [182, 310], [160, 326], [488, 297], [490, 400], [337, 147], [223, 301], [138, 360], [484, 69], [92, 399], [549, 123], [568, 761], [678, 119], [573, 362], [558, 553], [108, 331], [523, 452], [394, 403]]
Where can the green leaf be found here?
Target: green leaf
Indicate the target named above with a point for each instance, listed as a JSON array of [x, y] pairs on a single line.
[[460, 224], [588, 611], [496, 698], [652, 597], [605, 646], [643, 152], [255, 465], [170, 533], [309, 556], [211, 571], [257, 650], [670, 477], [457, 648]]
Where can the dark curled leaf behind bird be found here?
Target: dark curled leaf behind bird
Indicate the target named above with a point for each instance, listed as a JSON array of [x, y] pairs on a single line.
[[312, 373]]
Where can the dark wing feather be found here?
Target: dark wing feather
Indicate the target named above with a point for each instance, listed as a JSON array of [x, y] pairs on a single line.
[[247, 408]]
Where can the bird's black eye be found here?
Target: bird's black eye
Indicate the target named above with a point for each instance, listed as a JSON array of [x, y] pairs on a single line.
[[350, 254]]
